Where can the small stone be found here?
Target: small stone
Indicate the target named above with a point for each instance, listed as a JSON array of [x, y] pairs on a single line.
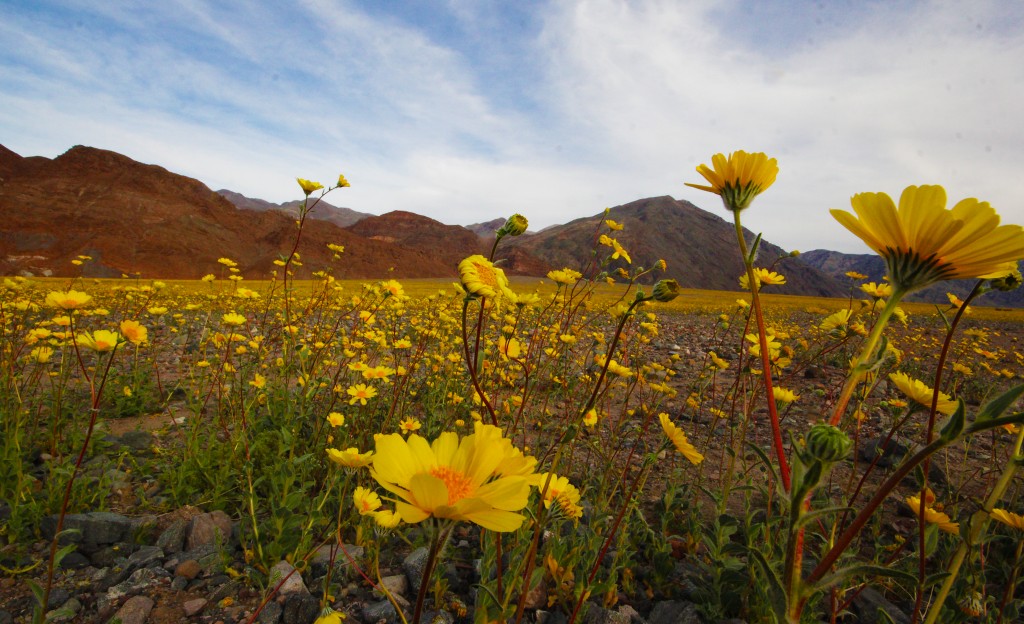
[[870, 602], [137, 440], [134, 611], [194, 606], [179, 583], [675, 612], [172, 540], [209, 528], [289, 578], [413, 566], [271, 613], [58, 596], [396, 584], [598, 615], [145, 556], [74, 561], [188, 569], [377, 611]]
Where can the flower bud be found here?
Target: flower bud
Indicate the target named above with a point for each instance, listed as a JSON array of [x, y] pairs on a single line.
[[827, 443], [515, 225], [308, 186], [666, 290], [1008, 282]]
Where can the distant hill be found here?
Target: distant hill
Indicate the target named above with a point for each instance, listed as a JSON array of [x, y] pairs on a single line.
[[837, 264], [342, 217], [698, 246], [448, 244], [137, 218], [487, 228]]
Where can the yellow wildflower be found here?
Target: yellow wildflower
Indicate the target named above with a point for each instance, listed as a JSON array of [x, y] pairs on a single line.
[[350, 457], [921, 394], [738, 178], [678, 438]]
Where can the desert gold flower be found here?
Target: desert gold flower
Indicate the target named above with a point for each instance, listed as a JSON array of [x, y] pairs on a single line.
[[1008, 518], [590, 418], [877, 290], [561, 493], [678, 438], [933, 516], [134, 331], [366, 500], [350, 457], [336, 419], [452, 478], [612, 225], [922, 242], [738, 178], [330, 616], [100, 340], [509, 347], [408, 425], [233, 318], [308, 186], [783, 395], [41, 355], [69, 300], [855, 275], [921, 394], [564, 276], [481, 278], [342, 182], [258, 381], [361, 393]]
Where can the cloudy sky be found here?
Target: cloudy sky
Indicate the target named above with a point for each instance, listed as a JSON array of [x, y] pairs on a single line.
[[466, 110]]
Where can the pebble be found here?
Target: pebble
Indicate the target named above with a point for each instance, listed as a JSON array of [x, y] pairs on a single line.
[[194, 606]]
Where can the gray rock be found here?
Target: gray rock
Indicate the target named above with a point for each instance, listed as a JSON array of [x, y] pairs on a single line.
[[868, 604], [74, 560], [271, 613], [209, 528], [438, 617], [396, 584], [300, 608], [888, 454], [6, 617], [139, 581], [172, 540], [377, 611], [97, 528], [134, 611], [109, 556], [189, 569], [179, 583], [287, 579], [675, 612], [58, 596], [598, 615], [413, 566], [632, 614], [225, 590], [67, 612], [146, 556], [137, 440]]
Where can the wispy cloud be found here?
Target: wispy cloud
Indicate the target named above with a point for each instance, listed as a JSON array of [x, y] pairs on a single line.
[[474, 110]]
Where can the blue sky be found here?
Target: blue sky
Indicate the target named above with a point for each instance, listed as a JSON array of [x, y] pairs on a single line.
[[466, 110]]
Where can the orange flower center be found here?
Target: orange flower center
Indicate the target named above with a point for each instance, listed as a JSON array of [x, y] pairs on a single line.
[[458, 484], [486, 275]]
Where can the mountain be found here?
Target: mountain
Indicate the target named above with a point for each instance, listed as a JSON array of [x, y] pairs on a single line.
[[342, 217], [137, 218], [487, 229], [698, 246], [447, 243], [837, 264]]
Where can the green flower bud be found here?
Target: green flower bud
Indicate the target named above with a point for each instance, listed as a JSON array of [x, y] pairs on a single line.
[[515, 225], [827, 443], [1010, 281], [666, 290]]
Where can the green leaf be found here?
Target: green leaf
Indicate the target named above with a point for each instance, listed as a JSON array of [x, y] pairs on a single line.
[[774, 588], [754, 249], [817, 513], [850, 572], [998, 405], [954, 425]]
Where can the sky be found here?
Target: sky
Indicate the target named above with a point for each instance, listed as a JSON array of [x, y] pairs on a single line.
[[468, 110]]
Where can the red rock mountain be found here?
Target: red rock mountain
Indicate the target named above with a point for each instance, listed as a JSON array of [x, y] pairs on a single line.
[[136, 218]]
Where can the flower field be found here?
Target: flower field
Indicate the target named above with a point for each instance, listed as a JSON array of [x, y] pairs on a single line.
[[596, 439]]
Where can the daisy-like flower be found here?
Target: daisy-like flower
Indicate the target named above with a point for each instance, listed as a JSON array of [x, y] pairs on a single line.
[[69, 300], [258, 381], [1008, 518], [308, 186], [233, 318], [922, 242], [330, 616], [933, 516], [366, 501], [342, 182], [350, 457], [481, 278], [921, 394], [386, 519], [41, 355], [590, 418], [783, 395], [561, 493], [564, 276], [452, 479], [678, 438], [360, 393], [336, 419], [408, 425], [100, 340], [738, 178], [855, 275], [134, 331], [879, 291]]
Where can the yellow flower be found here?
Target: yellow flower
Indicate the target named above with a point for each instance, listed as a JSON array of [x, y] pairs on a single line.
[[342, 182], [361, 393], [612, 225], [41, 355], [1008, 518], [350, 457], [509, 347], [560, 492], [69, 300], [408, 425], [452, 478], [157, 310], [782, 395], [386, 519], [879, 291], [590, 418], [564, 276], [329, 616], [855, 275], [678, 438], [134, 331], [233, 319], [336, 419], [922, 242], [366, 500], [100, 340], [933, 516], [738, 178], [308, 186], [481, 278], [921, 394], [258, 381]]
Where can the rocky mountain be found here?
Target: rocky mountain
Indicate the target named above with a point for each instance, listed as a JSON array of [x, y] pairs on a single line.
[[698, 246], [342, 217], [448, 244], [137, 218], [487, 229], [837, 264]]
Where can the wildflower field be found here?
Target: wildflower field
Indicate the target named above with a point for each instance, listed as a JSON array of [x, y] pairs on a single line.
[[568, 446]]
